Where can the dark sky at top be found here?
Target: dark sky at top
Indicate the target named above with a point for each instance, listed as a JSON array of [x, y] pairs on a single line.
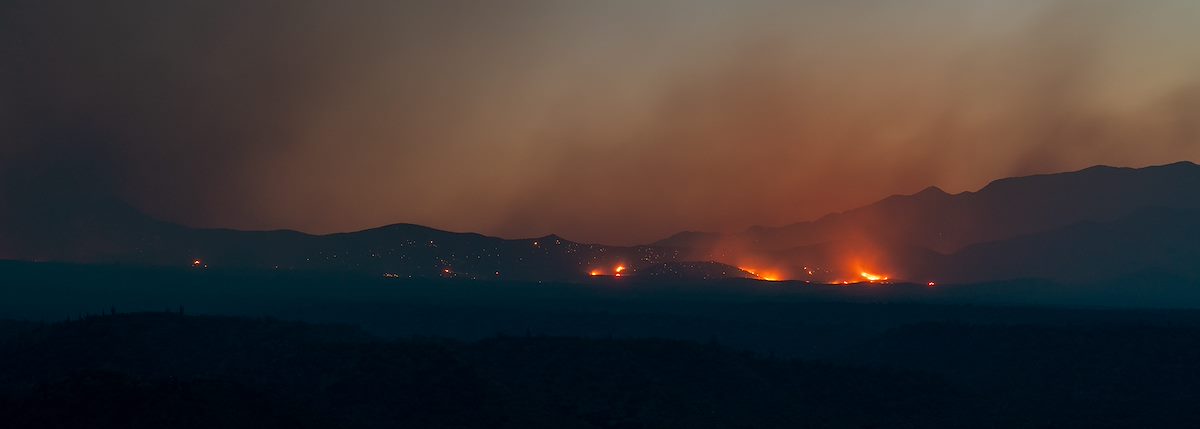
[[615, 121]]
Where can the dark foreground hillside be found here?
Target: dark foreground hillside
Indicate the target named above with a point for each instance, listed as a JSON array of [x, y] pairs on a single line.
[[167, 370], [172, 370]]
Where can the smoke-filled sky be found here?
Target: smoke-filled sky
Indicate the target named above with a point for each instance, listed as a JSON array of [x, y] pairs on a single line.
[[606, 121]]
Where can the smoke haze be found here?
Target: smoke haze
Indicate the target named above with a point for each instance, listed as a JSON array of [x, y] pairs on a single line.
[[616, 122]]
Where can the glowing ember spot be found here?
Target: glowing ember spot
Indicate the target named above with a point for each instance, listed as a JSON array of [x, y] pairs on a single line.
[[595, 273], [932, 284], [620, 269], [197, 263], [617, 275]]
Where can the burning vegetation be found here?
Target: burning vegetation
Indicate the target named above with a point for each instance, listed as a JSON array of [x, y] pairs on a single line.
[[617, 271], [764, 274]]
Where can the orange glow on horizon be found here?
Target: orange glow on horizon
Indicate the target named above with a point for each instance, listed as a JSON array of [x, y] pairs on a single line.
[[594, 273]]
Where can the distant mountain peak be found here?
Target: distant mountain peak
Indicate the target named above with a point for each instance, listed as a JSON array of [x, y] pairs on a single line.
[[932, 191], [1090, 173], [925, 195], [550, 238], [1099, 167], [396, 227], [1005, 208], [1181, 164]]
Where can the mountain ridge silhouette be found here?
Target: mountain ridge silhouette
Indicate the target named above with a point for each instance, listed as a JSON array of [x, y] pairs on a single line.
[[928, 234]]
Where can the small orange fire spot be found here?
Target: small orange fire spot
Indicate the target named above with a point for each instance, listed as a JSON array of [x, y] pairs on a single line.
[[620, 269], [594, 273], [932, 284], [197, 263]]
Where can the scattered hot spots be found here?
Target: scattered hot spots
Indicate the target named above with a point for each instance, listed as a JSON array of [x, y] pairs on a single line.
[[617, 271]]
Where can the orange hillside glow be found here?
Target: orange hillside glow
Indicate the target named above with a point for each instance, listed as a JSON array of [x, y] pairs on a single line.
[[771, 276], [872, 277]]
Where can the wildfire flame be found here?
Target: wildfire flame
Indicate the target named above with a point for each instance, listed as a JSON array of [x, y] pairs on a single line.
[[763, 275], [617, 271], [872, 277], [864, 276]]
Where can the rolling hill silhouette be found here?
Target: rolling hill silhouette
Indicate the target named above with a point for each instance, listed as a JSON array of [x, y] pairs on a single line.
[[108, 231], [1097, 223]]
